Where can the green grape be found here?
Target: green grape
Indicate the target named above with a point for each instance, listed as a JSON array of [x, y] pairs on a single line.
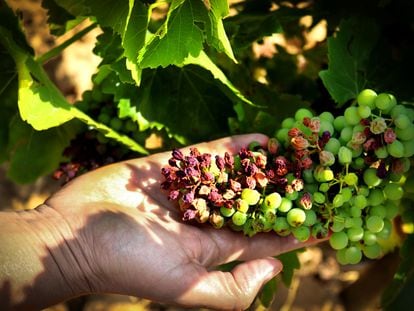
[[346, 135], [338, 226], [358, 163], [351, 179], [402, 121], [341, 257], [375, 223], [326, 126], [396, 149], [369, 238], [398, 110], [372, 251], [378, 210], [355, 234], [363, 190], [130, 126], [376, 197], [332, 145], [272, 201], [359, 128], [392, 209], [239, 218], [360, 201], [367, 98], [281, 226], [115, 124], [324, 187], [323, 174], [301, 233], [319, 197], [353, 255], [351, 115], [319, 231], [292, 196], [364, 111], [282, 135], [338, 240], [344, 155], [370, 177], [311, 188], [381, 152], [241, 205], [288, 123], [307, 176], [296, 217], [339, 123], [104, 118], [408, 149], [227, 212], [303, 113], [338, 200], [385, 102], [311, 218], [251, 196], [393, 191], [327, 116], [406, 134], [346, 194], [386, 230], [285, 205], [355, 211]]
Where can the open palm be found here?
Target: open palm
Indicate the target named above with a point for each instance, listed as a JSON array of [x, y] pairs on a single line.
[[134, 241]]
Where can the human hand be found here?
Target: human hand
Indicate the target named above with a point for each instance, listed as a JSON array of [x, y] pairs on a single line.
[[122, 235]]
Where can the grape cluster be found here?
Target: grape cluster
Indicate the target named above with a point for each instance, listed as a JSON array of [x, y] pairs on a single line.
[[319, 175]]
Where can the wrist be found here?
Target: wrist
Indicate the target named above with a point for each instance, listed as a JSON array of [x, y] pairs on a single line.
[[41, 259]]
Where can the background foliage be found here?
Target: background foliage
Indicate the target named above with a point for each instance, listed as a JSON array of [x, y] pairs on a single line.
[[193, 70]]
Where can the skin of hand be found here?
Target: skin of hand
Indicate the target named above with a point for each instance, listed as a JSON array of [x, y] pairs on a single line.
[[113, 230]]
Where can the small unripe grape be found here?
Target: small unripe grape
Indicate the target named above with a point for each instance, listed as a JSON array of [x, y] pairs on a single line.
[[338, 240], [251, 196], [239, 218], [282, 135], [386, 231], [339, 123], [319, 197], [372, 251], [326, 126], [369, 238], [364, 111], [344, 155], [381, 152], [355, 212], [338, 226], [324, 187], [296, 217], [385, 102], [341, 257], [353, 255], [338, 200], [303, 113], [281, 226], [104, 118], [346, 135], [360, 201], [367, 98], [241, 205], [355, 234], [227, 212], [328, 116], [285, 205], [375, 224], [115, 124], [288, 123], [396, 149], [402, 121], [301, 233], [392, 209], [346, 193], [376, 197], [272, 201], [333, 145], [351, 115], [393, 191], [351, 179], [370, 177], [311, 218]]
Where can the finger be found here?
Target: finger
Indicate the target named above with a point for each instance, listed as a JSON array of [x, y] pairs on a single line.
[[236, 246], [233, 290]]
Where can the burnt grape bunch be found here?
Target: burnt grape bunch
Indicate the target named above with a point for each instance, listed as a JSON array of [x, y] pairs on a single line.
[[320, 174]]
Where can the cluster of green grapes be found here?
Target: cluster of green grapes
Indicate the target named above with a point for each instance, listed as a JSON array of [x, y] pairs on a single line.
[[321, 175], [90, 149]]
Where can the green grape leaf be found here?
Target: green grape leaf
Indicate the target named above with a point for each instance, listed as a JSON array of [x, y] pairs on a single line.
[[267, 294], [181, 38], [349, 51], [205, 62], [186, 100], [60, 20], [290, 263], [36, 153]]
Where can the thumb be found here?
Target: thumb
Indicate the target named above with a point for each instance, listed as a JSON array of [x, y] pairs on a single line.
[[233, 290]]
